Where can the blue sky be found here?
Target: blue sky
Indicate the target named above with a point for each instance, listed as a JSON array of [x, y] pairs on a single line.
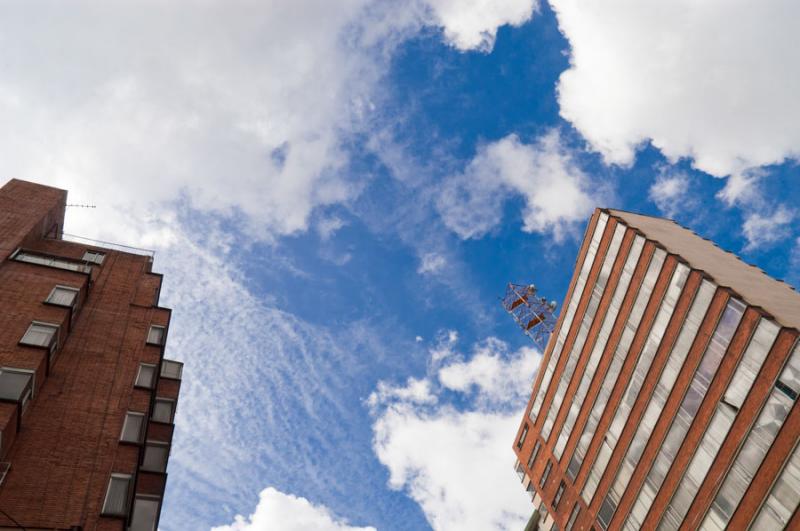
[[338, 193]]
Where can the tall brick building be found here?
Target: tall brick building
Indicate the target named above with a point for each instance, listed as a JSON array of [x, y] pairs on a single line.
[[667, 395], [87, 398]]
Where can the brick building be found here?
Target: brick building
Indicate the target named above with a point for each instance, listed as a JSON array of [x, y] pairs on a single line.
[[667, 394], [87, 398]]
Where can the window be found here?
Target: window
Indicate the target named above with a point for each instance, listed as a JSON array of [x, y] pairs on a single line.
[[116, 502], [546, 473], [93, 257], [16, 385], [146, 376], [572, 307], [51, 261], [171, 369], [63, 296], [164, 410], [522, 436], [573, 517], [155, 456], [559, 493], [132, 427], [156, 335], [145, 513], [534, 453], [41, 334]]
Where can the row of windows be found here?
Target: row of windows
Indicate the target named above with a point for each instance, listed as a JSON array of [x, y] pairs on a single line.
[[586, 323], [692, 399], [570, 314], [631, 394], [118, 497], [620, 354], [658, 398], [609, 319]]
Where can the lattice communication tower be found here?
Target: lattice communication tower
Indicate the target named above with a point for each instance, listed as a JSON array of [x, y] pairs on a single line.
[[534, 314]]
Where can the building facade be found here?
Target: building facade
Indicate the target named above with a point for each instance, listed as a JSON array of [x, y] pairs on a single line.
[[667, 394], [87, 399]]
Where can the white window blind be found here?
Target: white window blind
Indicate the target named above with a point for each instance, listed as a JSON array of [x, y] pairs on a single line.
[[40, 334], [164, 410], [116, 502], [145, 514], [63, 296], [132, 427], [146, 375], [156, 335], [171, 369], [155, 457]]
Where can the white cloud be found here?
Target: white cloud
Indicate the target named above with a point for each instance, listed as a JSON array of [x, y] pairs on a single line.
[[415, 391], [714, 81], [431, 263], [457, 464], [494, 374], [670, 192], [473, 24], [277, 511], [761, 230], [557, 192]]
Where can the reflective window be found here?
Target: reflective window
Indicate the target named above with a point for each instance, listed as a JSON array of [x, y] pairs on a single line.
[[116, 501], [522, 436], [783, 499], [145, 513], [41, 334], [631, 394], [586, 323], [156, 335], [620, 353], [545, 474], [698, 386], [609, 318], [534, 453], [721, 422], [658, 398], [94, 257], [756, 445], [132, 427], [171, 369], [146, 377], [63, 296], [559, 493], [155, 456], [52, 261], [163, 410], [573, 517], [572, 307]]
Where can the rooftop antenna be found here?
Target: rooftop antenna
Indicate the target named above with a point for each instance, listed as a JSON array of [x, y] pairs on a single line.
[[534, 314], [81, 205]]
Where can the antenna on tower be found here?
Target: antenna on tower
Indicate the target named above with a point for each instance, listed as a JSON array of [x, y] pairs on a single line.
[[81, 205], [534, 314]]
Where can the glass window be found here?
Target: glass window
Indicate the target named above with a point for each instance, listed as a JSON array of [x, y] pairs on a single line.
[[715, 350], [632, 391], [559, 493], [155, 456], [756, 445], [573, 517], [63, 296], [783, 499], [620, 354], [132, 427], [146, 376], [116, 502], [534, 453], [586, 323], [163, 410], [145, 513], [171, 369], [15, 383], [41, 334], [93, 257], [546, 473], [572, 307], [609, 318], [51, 261], [522, 436], [156, 335]]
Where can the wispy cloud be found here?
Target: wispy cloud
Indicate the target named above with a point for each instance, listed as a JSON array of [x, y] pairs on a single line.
[[764, 230]]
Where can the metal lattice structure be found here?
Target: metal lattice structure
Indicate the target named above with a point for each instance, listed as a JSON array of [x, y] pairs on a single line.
[[535, 315]]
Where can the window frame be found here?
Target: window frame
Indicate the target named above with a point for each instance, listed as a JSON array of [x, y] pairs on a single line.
[[161, 444], [164, 363], [149, 497], [153, 378], [163, 335], [142, 426], [117, 475], [76, 291], [94, 259], [559, 493], [172, 412], [545, 474], [54, 340], [522, 436]]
